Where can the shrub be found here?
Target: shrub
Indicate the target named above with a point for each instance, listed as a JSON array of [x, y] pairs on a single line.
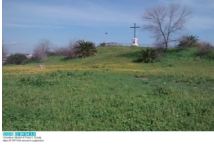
[[84, 48], [16, 59], [149, 55], [205, 50], [188, 41], [79, 49], [52, 53], [160, 45], [4, 54], [103, 44], [67, 52], [61, 52], [40, 52], [4, 51]]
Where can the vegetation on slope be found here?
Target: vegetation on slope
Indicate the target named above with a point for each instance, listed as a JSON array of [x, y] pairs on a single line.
[[109, 91]]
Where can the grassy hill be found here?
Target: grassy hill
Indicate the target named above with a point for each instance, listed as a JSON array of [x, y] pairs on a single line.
[[110, 91]]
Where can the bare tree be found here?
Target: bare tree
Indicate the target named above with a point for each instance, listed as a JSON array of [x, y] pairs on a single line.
[[164, 21], [40, 52]]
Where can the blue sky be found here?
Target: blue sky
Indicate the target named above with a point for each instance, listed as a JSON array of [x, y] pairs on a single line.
[[26, 22]]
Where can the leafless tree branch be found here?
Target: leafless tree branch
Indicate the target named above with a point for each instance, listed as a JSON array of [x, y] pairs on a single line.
[[40, 52], [164, 21]]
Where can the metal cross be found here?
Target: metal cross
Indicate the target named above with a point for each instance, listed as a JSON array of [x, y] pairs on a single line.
[[135, 27]]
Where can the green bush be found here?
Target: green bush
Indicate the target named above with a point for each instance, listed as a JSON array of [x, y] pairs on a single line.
[[188, 41], [149, 55], [16, 59], [103, 44], [205, 50], [84, 48], [77, 49]]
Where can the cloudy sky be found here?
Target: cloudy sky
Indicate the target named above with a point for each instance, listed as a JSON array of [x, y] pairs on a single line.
[[26, 22]]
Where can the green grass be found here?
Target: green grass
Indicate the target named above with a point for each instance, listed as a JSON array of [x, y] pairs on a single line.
[[111, 92]]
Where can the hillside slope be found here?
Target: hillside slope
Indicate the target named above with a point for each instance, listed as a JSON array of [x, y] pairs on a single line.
[[110, 91], [121, 59]]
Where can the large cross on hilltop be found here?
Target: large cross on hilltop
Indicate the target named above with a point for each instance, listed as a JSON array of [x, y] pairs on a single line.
[[135, 27], [135, 40]]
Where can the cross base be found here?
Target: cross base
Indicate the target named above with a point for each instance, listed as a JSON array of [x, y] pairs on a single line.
[[135, 42]]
